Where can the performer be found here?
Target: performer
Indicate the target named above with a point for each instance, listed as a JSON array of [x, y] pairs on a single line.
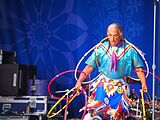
[[115, 60]]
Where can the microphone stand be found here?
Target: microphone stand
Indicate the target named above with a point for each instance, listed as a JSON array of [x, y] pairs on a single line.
[[154, 66]]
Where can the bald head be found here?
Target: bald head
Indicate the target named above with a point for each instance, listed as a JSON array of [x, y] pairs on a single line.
[[117, 26], [114, 33]]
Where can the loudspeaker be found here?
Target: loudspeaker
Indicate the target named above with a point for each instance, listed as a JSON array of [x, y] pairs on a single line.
[[7, 57], [13, 79]]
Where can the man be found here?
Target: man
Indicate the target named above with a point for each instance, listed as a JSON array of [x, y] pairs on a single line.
[[115, 60]]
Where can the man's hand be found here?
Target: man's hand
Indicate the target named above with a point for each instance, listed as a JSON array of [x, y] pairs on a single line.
[[144, 87], [78, 85], [142, 78]]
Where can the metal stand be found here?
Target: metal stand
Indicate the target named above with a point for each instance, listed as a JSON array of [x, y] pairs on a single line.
[[33, 87], [154, 66]]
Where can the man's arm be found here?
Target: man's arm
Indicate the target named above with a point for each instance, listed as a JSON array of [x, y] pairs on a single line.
[[142, 78], [86, 71]]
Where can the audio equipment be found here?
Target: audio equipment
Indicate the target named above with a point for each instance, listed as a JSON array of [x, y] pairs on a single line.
[[13, 78], [7, 57]]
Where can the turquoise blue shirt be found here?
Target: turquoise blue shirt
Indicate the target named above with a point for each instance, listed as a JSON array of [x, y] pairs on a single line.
[[125, 66]]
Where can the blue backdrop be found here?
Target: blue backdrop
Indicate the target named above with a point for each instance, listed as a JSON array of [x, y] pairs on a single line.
[[55, 34]]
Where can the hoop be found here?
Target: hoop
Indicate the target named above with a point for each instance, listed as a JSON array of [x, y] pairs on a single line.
[[96, 46], [54, 78]]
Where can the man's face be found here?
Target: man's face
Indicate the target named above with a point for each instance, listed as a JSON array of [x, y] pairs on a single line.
[[114, 36]]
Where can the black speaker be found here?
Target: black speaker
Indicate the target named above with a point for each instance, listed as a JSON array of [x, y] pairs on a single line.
[[13, 79], [7, 57]]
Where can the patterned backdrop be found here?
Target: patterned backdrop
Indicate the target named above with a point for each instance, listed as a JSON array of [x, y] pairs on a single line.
[[55, 34]]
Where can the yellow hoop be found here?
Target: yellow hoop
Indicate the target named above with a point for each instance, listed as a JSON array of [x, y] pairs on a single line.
[[54, 114]]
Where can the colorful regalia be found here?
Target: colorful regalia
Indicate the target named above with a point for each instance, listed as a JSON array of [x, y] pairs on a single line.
[[110, 91]]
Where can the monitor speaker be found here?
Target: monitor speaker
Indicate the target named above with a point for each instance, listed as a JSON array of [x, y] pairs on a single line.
[[7, 57], [13, 79]]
